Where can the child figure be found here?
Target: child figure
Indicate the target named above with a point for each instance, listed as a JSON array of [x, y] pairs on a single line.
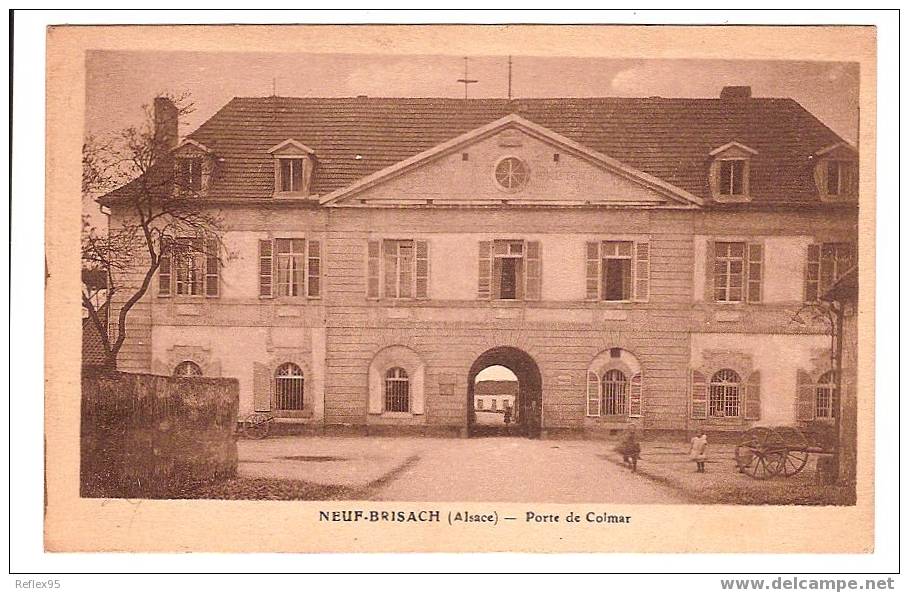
[[630, 448], [698, 452]]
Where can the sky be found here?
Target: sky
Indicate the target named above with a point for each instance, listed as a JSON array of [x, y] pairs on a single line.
[[120, 83], [495, 373]]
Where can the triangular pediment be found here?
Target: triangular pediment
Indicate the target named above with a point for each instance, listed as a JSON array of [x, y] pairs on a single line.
[[511, 161]]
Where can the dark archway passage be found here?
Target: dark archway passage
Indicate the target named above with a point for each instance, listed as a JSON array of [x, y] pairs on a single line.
[[530, 393]]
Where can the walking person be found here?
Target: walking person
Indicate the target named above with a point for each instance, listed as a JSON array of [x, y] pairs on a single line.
[[630, 448], [698, 452]]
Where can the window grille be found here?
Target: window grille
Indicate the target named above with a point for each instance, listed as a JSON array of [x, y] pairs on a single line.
[[615, 393], [289, 387], [187, 368], [724, 394], [397, 390], [825, 395]]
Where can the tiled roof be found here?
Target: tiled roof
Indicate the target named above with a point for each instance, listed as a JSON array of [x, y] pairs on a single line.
[[496, 388], [668, 138]]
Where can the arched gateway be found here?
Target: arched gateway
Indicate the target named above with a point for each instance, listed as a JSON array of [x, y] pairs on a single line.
[[529, 408]]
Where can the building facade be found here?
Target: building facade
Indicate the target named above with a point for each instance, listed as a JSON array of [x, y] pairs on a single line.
[[632, 261]]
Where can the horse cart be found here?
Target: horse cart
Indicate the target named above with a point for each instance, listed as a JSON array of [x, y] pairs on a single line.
[[765, 451]]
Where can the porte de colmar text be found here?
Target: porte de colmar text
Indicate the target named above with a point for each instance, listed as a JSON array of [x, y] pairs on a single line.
[[634, 261]]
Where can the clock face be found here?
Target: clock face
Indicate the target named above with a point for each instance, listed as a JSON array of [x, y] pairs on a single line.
[[512, 173]]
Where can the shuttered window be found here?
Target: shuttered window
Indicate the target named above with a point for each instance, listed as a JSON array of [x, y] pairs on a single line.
[[614, 387], [290, 268], [288, 389], [189, 267], [725, 387], [510, 270], [825, 396], [617, 271], [402, 265], [826, 263], [736, 272]]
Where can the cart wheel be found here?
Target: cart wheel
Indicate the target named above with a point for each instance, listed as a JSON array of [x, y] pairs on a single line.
[[761, 453], [797, 454], [257, 426]]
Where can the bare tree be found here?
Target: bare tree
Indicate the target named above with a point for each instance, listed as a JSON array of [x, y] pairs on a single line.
[[157, 215]]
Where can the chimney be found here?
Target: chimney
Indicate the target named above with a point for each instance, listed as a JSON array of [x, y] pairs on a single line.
[[166, 124], [735, 92]]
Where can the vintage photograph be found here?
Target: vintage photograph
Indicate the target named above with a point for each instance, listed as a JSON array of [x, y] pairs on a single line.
[[487, 278]]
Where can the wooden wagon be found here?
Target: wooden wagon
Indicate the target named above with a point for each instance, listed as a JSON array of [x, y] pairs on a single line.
[[765, 451]]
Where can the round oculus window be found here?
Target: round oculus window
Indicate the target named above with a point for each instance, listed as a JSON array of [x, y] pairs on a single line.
[[512, 173]]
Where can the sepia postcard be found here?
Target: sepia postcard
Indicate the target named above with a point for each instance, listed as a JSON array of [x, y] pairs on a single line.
[[460, 288]]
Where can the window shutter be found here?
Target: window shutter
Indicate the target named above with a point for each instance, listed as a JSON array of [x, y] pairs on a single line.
[[314, 269], [820, 177], [391, 261], [594, 261], [755, 272], [534, 271], [263, 383], [636, 396], [593, 394], [753, 396], [805, 394], [709, 268], [698, 395], [212, 268], [164, 271], [812, 273], [714, 178], [484, 290], [422, 272], [265, 268], [642, 271], [372, 269]]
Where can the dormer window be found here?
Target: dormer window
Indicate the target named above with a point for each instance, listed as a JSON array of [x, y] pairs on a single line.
[[294, 163], [730, 172], [732, 177], [188, 174], [194, 165], [291, 173], [840, 178], [836, 172]]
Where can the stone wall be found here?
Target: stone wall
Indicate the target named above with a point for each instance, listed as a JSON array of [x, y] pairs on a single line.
[[150, 436]]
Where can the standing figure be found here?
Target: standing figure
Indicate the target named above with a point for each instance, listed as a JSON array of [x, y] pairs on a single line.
[[698, 452], [630, 448]]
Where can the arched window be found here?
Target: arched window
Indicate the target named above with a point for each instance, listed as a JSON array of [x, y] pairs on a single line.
[[724, 393], [187, 368], [289, 387], [824, 395], [615, 393], [397, 390]]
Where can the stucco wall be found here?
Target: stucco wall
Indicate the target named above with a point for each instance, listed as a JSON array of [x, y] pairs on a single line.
[[237, 349], [569, 178], [778, 357]]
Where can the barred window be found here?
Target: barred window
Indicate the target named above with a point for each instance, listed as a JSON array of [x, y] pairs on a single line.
[[825, 395], [397, 390], [615, 393], [724, 394], [187, 368], [288, 387]]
